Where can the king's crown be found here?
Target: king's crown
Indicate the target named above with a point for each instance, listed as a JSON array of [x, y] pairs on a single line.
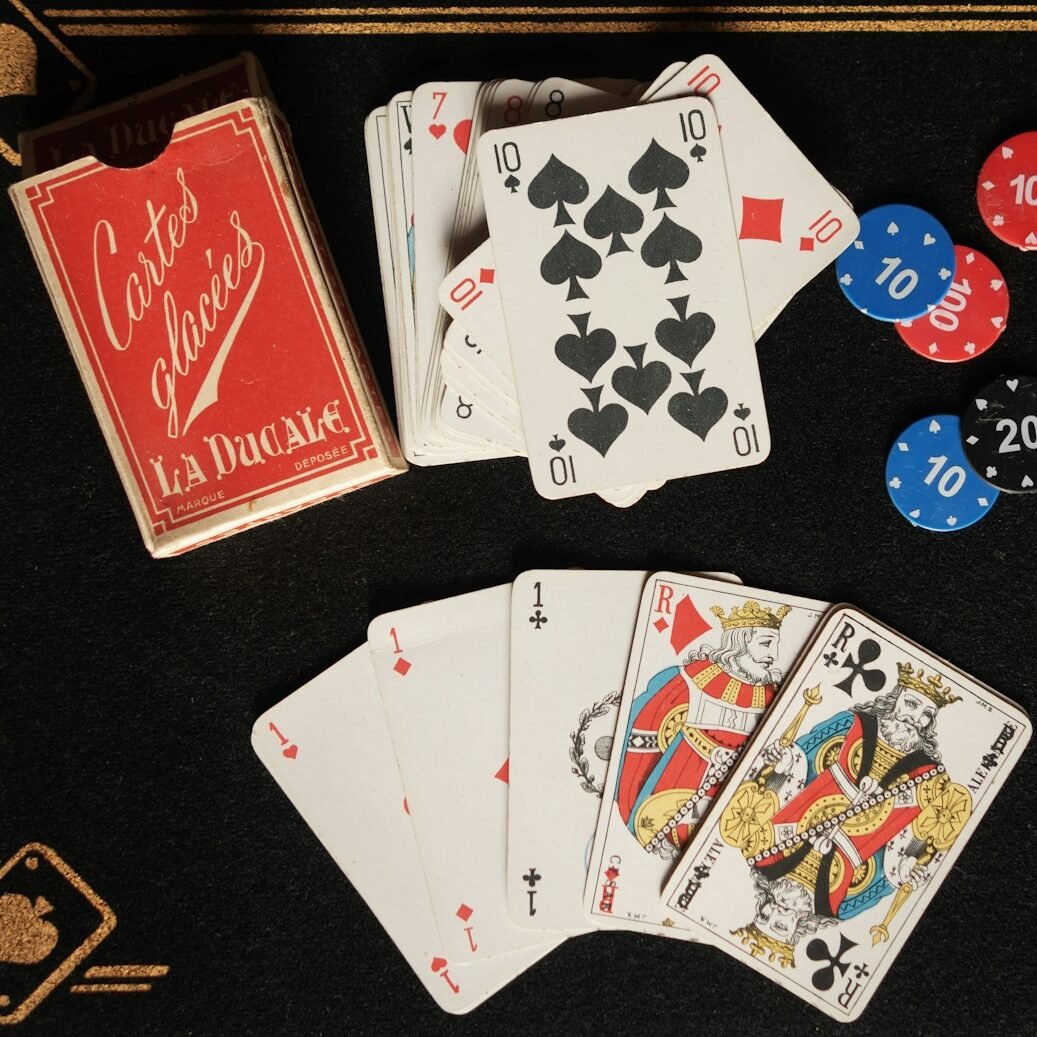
[[931, 687], [751, 614]]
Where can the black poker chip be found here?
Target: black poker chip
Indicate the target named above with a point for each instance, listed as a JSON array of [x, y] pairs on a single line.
[[999, 433]]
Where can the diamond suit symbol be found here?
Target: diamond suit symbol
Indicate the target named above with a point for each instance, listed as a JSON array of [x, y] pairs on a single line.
[[464, 912], [401, 666], [761, 218], [687, 625]]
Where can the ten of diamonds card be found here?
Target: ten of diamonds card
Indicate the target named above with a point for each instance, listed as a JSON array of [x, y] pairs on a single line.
[[839, 824], [623, 296], [229, 388]]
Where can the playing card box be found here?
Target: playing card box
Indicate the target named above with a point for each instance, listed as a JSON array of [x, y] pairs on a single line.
[[210, 328], [134, 130]]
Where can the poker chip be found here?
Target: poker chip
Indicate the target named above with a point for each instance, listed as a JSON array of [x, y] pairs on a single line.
[[1006, 191], [969, 319], [900, 266], [999, 433], [929, 479]]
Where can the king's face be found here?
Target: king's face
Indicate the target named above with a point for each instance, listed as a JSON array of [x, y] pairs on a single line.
[[763, 646], [777, 921], [914, 709]]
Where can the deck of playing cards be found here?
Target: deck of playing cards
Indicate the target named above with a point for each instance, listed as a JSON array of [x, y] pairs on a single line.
[[205, 314], [782, 780], [579, 272]]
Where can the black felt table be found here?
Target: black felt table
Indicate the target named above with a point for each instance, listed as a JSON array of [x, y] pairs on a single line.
[[130, 685]]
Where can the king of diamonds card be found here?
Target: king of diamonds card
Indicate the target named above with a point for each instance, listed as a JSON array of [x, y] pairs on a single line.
[[705, 664]]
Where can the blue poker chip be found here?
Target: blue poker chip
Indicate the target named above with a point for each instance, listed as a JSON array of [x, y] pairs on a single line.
[[900, 266], [930, 481]]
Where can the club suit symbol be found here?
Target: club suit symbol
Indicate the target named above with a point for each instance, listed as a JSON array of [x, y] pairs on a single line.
[[817, 950], [873, 679]]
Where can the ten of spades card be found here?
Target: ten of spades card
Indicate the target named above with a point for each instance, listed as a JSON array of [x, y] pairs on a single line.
[[564, 704], [705, 664], [328, 747], [847, 813], [623, 297]]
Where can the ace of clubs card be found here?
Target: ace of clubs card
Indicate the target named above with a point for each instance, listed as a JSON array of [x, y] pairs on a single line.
[[705, 664], [835, 830], [442, 671], [622, 291], [327, 745], [564, 704]]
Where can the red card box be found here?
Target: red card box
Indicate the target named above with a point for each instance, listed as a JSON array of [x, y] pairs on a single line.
[[213, 339], [134, 130]]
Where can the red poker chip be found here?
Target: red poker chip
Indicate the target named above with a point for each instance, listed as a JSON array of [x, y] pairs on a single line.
[[1006, 191], [971, 316]]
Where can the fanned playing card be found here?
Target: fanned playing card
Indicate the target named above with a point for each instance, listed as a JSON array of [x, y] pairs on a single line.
[[623, 297], [837, 827], [328, 747], [442, 671], [791, 222], [564, 704], [705, 664]]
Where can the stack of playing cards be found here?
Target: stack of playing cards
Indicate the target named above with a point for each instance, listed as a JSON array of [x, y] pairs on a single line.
[[640, 240], [500, 771]]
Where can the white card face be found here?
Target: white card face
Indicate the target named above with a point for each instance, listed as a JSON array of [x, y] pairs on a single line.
[[621, 286], [662, 79], [558, 98], [503, 104], [443, 673], [326, 744], [564, 704], [379, 169], [791, 222], [465, 412], [441, 115], [838, 826], [626, 496], [470, 295], [705, 663], [461, 348]]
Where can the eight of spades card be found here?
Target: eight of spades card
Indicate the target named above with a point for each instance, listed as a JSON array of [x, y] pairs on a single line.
[[847, 812], [564, 704], [442, 671], [328, 747], [791, 222], [623, 297], [705, 664]]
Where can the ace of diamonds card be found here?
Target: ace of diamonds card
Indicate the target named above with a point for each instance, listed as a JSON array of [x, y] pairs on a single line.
[[230, 387], [623, 297]]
